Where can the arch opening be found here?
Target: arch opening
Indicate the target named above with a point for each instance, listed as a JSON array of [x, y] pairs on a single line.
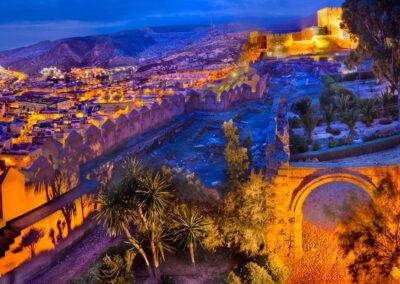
[[324, 206], [311, 184]]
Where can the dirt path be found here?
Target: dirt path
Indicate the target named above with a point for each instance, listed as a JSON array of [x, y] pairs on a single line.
[[78, 259]]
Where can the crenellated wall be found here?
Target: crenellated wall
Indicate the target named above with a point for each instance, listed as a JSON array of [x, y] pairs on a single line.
[[35, 184], [212, 102]]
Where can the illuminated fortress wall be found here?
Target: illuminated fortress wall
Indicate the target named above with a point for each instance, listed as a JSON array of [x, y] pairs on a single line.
[[24, 192], [330, 18], [327, 36]]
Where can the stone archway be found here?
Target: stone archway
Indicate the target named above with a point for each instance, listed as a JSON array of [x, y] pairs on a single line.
[[311, 183]]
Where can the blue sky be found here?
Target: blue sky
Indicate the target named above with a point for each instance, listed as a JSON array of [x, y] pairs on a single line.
[[24, 22]]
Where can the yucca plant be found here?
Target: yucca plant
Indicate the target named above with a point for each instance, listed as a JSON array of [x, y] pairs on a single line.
[[116, 212], [153, 197], [188, 228]]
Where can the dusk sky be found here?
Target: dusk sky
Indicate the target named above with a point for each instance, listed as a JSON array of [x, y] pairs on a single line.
[[24, 22]]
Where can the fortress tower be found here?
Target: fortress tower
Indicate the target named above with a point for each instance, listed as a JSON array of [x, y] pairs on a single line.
[[330, 18]]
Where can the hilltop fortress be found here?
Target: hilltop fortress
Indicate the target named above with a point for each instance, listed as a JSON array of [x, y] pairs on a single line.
[[326, 36]]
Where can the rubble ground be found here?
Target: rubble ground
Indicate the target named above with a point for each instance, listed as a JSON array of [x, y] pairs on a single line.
[[199, 147]]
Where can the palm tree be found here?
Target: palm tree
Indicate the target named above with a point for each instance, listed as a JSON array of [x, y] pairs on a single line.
[[116, 213], [350, 118], [328, 104], [153, 198], [328, 113], [188, 228], [131, 170], [304, 109]]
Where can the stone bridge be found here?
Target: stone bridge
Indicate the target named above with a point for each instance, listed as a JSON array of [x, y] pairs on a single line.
[[292, 182]]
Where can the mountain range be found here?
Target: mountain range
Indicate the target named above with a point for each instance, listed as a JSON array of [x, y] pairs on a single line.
[[129, 47]]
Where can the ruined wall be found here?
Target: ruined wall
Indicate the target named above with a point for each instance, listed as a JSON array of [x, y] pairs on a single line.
[[277, 144]]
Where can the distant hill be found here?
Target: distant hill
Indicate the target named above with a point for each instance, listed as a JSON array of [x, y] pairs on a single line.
[[134, 47], [110, 50], [101, 50]]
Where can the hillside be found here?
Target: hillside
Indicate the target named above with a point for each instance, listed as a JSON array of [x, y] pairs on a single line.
[[130, 47]]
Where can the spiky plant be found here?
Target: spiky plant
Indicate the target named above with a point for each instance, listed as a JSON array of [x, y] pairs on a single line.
[[350, 118], [367, 111], [188, 229], [306, 112], [116, 213], [131, 170], [153, 198], [153, 195]]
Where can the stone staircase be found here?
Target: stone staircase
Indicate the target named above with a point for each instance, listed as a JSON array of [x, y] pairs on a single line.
[[7, 238]]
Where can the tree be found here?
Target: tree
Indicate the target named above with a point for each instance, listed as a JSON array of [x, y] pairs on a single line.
[[376, 25], [349, 112], [188, 228], [367, 111], [304, 109], [242, 223], [30, 240], [236, 157], [153, 197], [371, 234], [387, 100], [328, 105], [350, 118], [116, 212]]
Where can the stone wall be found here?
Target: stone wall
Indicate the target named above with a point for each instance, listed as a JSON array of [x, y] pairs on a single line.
[[212, 102], [277, 144], [79, 151], [346, 151]]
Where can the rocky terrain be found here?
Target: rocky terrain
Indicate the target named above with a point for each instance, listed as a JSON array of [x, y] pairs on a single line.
[[193, 45]]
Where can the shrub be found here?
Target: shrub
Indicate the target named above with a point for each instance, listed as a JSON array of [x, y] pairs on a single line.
[[320, 121], [274, 267], [254, 274], [298, 144], [333, 131], [379, 134], [233, 278], [344, 141], [332, 143], [385, 121], [294, 122], [316, 146]]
